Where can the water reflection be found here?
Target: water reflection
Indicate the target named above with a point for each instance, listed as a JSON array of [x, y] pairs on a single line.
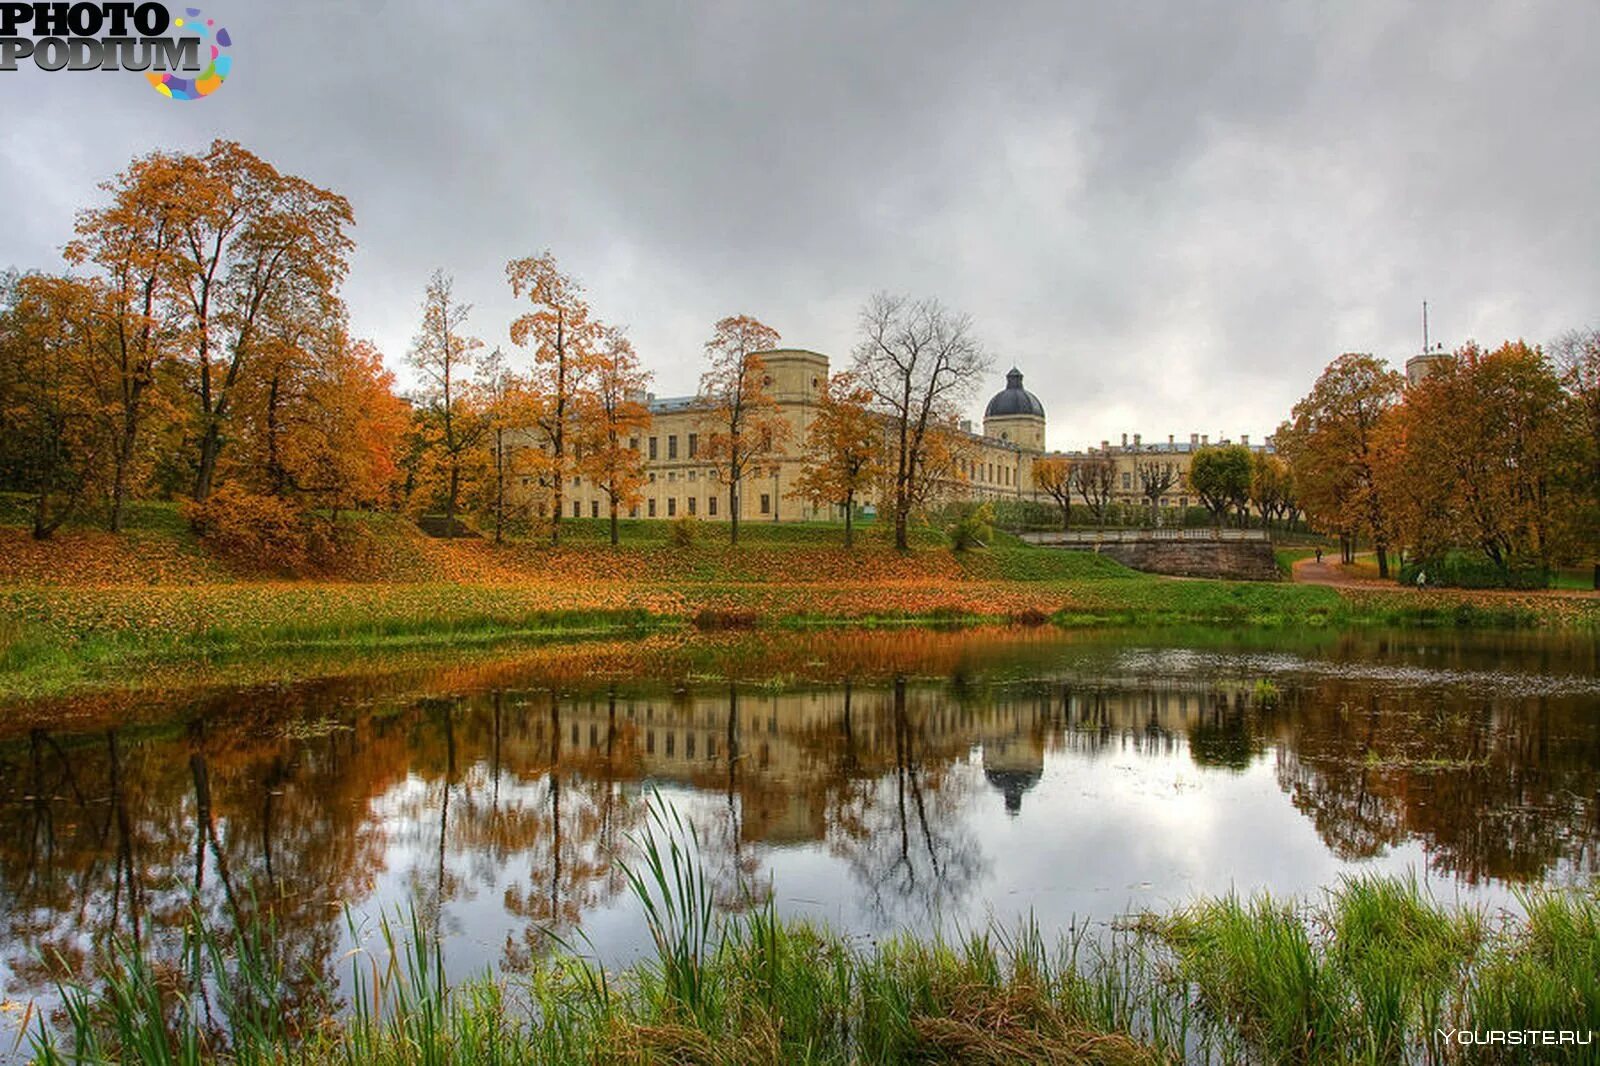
[[880, 782]]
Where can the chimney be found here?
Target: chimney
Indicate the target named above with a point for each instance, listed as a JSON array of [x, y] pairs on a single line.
[[966, 425], [1124, 440], [1136, 439], [1105, 446], [1205, 438], [1194, 438], [1170, 440], [1244, 438]]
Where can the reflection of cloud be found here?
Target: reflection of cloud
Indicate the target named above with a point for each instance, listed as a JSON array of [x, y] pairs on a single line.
[[874, 804]]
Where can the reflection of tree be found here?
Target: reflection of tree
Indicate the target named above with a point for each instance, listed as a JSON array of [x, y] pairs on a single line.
[[519, 795], [1496, 786], [569, 838], [903, 838], [1224, 734]]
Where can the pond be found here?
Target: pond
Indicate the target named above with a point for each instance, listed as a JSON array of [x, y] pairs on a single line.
[[875, 781]]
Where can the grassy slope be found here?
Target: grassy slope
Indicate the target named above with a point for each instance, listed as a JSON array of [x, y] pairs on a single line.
[[88, 608]]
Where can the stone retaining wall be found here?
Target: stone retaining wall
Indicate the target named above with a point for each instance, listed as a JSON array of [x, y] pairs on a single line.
[[1237, 560]]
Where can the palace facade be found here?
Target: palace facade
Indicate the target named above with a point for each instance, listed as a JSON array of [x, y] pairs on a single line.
[[994, 462]]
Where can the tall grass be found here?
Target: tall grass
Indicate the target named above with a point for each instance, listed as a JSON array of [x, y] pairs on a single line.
[[1373, 972]]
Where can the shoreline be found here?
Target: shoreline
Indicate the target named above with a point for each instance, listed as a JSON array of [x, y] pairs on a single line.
[[58, 640]]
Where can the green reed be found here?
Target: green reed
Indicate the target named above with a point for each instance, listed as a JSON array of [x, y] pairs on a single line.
[[1371, 972]]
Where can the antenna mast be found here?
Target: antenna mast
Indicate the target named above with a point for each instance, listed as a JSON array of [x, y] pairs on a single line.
[[1424, 327]]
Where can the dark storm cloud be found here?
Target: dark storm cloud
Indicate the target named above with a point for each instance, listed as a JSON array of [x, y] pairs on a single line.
[[1169, 216]]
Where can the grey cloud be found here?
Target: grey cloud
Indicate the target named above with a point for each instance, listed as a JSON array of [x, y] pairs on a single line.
[[1169, 215]]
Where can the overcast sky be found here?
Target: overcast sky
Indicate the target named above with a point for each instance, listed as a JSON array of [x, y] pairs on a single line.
[[1169, 218]]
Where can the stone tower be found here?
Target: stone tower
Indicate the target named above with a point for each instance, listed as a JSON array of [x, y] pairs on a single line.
[[1015, 415]]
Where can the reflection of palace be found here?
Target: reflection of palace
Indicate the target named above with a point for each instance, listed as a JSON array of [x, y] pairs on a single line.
[[521, 798]]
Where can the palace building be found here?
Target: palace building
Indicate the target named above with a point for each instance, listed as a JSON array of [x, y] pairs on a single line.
[[993, 463]]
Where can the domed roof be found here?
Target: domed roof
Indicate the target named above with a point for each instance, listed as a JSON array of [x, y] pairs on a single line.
[[1012, 784], [1014, 399]]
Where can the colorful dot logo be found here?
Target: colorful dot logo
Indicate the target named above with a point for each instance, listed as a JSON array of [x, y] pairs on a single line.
[[216, 72]]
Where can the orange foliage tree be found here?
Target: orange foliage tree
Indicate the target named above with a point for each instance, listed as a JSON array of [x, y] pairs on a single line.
[[1485, 452], [744, 425], [613, 418], [510, 406], [54, 429], [255, 246], [1331, 442], [450, 416], [844, 448], [564, 339], [1052, 475], [133, 242]]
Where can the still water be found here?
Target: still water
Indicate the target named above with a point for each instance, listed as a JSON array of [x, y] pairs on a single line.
[[875, 781]]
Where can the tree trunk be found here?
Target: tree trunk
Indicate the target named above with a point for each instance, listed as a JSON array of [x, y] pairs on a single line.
[[499, 487], [614, 537], [121, 459], [210, 446], [450, 504], [1383, 558], [849, 513], [733, 511]]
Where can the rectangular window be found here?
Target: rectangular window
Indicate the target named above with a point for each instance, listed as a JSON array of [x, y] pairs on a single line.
[[766, 503], [651, 504], [672, 506], [711, 506], [633, 444], [577, 509], [692, 502], [1127, 481], [694, 444], [594, 508], [633, 512], [652, 447], [672, 446]]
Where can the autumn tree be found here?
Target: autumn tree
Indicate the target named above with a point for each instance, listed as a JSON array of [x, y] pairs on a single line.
[[341, 443], [1577, 358], [254, 245], [53, 438], [133, 244], [743, 424], [1094, 477], [613, 418], [1052, 475], [508, 406], [1271, 486], [920, 362], [564, 341], [1220, 476], [1156, 478], [1486, 453], [443, 354], [842, 449], [1331, 442]]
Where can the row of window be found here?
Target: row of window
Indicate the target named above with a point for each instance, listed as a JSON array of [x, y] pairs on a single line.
[[988, 472], [692, 503], [672, 445]]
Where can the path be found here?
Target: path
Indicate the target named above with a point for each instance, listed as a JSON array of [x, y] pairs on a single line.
[[1329, 572]]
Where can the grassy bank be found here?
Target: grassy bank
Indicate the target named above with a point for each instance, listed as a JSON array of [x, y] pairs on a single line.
[[1373, 972], [95, 610]]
